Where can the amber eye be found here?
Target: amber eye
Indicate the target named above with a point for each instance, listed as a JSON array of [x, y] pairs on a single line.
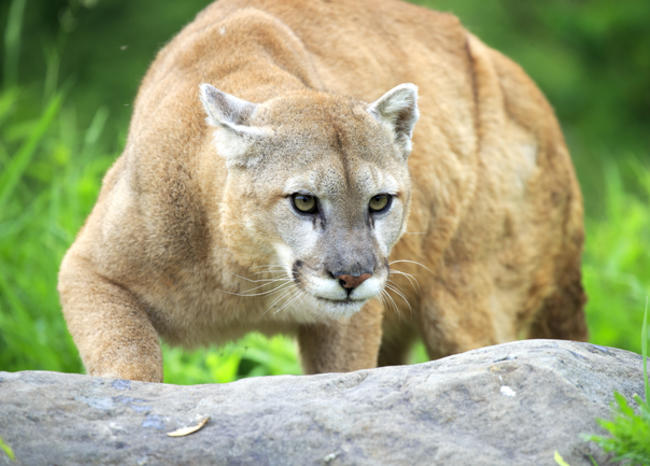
[[304, 203], [380, 203]]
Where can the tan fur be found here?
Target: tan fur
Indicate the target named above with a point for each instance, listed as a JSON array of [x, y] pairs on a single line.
[[494, 209]]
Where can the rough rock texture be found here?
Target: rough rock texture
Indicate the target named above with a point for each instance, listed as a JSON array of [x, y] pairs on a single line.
[[515, 403]]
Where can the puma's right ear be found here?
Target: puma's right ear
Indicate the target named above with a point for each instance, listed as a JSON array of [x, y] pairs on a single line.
[[226, 110], [230, 115], [398, 108]]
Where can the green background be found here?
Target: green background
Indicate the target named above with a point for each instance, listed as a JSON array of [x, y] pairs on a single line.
[[70, 70]]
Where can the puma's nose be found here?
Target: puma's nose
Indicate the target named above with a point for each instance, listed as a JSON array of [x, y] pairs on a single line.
[[352, 281]]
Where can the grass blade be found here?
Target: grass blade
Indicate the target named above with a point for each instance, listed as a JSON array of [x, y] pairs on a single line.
[[14, 170], [559, 460], [12, 41], [7, 101], [7, 449]]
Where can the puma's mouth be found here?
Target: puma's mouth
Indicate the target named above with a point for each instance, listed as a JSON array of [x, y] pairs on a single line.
[[346, 301], [335, 308]]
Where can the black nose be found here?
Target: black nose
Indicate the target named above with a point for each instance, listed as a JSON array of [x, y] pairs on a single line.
[[349, 282]]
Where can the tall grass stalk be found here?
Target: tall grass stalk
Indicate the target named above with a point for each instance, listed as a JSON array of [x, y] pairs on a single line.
[[12, 42]]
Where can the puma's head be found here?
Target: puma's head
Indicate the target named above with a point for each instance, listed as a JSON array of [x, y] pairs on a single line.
[[318, 185]]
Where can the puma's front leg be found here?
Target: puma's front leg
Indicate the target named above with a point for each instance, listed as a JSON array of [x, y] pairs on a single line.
[[342, 346], [109, 326]]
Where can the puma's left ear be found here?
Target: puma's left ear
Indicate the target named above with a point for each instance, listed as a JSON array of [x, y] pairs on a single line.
[[398, 108]]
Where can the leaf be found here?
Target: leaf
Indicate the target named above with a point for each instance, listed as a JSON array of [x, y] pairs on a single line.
[[183, 431], [623, 407]]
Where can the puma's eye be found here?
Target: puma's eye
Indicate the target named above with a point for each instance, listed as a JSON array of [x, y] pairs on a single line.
[[380, 203], [304, 203]]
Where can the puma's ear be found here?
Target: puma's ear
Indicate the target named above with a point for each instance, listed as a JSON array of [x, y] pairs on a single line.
[[230, 116], [398, 108], [224, 109]]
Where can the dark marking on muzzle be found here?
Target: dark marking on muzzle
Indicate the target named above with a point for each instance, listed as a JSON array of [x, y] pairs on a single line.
[[295, 271]]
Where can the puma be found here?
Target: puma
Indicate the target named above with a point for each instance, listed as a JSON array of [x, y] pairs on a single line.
[[355, 173]]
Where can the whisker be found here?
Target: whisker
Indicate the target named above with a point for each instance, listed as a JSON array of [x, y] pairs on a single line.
[[265, 284], [259, 280], [286, 292], [393, 287], [268, 267], [288, 302], [383, 300], [407, 261], [409, 276], [395, 306], [282, 301], [392, 301], [270, 272], [246, 295]]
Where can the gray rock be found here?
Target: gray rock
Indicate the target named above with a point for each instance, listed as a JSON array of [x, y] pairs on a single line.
[[515, 403]]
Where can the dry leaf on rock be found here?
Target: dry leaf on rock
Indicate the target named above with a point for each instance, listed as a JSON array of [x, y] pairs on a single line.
[[183, 431]]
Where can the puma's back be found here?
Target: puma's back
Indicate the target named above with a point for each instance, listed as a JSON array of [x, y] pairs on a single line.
[[275, 179]]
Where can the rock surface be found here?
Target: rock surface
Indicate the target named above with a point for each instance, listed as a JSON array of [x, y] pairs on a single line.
[[515, 403]]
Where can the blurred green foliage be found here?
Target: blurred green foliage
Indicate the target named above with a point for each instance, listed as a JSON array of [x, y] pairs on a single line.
[[70, 71]]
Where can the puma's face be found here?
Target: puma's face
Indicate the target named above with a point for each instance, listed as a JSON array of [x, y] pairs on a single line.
[[339, 210], [323, 182]]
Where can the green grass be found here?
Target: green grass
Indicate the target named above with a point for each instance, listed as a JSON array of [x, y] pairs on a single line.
[[252, 356], [629, 432], [48, 183], [617, 255]]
